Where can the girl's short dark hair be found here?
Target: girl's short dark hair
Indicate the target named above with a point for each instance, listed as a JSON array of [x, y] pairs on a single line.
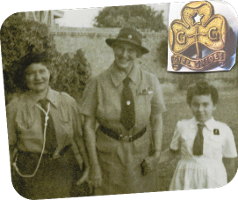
[[23, 63], [202, 88]]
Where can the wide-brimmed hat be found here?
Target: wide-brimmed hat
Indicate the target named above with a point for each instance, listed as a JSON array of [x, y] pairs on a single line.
[[129, 36]]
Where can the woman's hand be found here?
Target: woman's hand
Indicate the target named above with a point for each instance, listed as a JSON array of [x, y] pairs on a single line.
[[92, 176], [95, 176], [150, 163], [84, 176]]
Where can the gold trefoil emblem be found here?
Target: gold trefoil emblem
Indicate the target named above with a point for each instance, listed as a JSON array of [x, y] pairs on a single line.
[[198, 29]]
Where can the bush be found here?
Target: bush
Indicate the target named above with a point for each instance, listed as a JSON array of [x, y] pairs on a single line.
[[162, 51], [70, 74], [168, 88], [19, 37]]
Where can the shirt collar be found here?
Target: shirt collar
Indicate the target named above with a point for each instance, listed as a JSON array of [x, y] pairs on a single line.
[[32, 98], [53, 97], [209, 123], [118, 76]]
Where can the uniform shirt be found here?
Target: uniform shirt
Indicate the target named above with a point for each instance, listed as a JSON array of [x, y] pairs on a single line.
[[218, 140], [24, 121], [102, 98]]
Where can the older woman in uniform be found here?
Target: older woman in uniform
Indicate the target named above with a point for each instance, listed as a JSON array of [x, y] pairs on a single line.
[[44, 128], [127, 103]]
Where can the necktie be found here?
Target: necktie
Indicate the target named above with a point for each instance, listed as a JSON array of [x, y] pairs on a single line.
[[51, 142], [127, 106], [198, 141]]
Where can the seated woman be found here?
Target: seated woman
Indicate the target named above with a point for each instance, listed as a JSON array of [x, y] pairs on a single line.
[[45, 134]]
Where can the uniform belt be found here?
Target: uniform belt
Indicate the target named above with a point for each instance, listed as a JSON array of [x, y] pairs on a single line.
[[117, 136], [46, 155]]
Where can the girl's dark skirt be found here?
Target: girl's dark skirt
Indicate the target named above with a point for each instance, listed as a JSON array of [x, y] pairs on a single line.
[[54, 178]]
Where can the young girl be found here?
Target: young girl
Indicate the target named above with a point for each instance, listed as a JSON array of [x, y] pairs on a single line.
[[203, 143]]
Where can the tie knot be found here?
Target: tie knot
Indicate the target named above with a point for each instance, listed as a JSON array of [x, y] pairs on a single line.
[[201, 126], [126, 81], [43, 103]]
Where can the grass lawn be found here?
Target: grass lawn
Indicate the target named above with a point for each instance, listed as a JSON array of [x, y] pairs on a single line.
[[177, 109]]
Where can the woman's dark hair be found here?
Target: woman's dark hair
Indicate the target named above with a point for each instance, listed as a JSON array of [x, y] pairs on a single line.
[[23, 63], [202, 88], [33, 58]]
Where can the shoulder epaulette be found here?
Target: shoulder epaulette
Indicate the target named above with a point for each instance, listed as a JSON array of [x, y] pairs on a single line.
[[64, 94]]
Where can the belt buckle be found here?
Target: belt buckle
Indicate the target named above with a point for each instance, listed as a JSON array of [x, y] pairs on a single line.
[[126, 138]]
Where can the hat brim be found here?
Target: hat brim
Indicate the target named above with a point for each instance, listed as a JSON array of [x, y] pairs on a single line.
[[112, 42]]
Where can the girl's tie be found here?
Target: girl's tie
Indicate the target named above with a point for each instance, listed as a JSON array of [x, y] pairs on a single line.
[[198, 141]]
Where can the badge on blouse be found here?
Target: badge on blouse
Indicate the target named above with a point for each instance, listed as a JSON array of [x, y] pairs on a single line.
[[201, 40], [216, 132], [145, 91]]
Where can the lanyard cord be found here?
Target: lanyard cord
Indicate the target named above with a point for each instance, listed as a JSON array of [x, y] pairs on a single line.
[[43, 148]]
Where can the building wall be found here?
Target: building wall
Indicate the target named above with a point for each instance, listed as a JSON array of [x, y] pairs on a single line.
[[100, 56], [45, 17]]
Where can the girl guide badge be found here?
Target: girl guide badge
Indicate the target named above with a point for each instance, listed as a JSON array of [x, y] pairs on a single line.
[[202, 37]]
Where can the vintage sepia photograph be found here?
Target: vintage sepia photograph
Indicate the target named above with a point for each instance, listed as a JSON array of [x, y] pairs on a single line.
[[92, 110]]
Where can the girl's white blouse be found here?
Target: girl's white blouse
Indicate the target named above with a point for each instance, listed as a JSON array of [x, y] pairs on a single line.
[[207, 170]]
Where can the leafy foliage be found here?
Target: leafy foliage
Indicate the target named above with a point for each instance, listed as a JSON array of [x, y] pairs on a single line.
[[137, 16], [19, 37], [162, 51], [70, 74]]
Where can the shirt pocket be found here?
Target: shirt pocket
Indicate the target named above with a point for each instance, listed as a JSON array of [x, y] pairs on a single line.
[[63, 121], [28, 124], [29, 132], [25, 119], [213, 145], [143, 104], [145, 92], [26, 132]]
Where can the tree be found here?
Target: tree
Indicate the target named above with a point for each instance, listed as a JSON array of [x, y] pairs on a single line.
[[137, 16], [162, 51], [19, 37]]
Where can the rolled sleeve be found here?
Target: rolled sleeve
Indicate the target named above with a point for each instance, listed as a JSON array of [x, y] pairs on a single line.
[[157, 102], [229, 148], [89, 101]]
